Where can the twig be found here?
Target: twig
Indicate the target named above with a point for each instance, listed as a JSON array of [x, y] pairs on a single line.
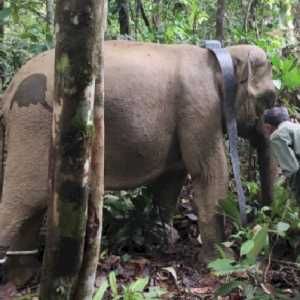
[[266, 271], [285, 262]]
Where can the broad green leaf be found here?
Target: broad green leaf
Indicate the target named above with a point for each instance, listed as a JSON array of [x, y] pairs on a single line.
[[230, 208], [139, 284], [225, 266], [101, 291], [227, 288], [282, 227], [4, 14], [249, 291], [113, 283], [260, 240], [246, 247]]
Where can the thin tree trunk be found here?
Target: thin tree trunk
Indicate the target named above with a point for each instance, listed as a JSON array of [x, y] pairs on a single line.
[[220, 20], [124, 17], [286, 20], [1, 40], [1, 26], [95, 205], [72, 138], [136, 18], [140, 8], [249, 8], [156, 14], [50, 13]]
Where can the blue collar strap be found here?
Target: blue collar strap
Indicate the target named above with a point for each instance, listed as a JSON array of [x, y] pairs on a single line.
[[228, 106]]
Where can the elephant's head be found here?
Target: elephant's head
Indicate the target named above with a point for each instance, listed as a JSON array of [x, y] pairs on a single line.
[[255, 89], [255, 93]]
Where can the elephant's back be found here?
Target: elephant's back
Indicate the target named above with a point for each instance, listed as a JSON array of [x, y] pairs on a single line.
[[32, 84], [141, 88]]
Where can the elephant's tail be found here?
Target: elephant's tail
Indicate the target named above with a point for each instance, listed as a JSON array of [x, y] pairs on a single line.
[[2, 147]]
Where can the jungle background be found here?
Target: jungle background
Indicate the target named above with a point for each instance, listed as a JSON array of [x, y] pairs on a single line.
[[257, 261]]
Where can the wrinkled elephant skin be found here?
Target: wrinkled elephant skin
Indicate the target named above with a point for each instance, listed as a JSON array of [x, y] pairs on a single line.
[[163, 120]]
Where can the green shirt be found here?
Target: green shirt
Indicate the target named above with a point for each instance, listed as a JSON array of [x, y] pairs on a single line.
[[285, 144]]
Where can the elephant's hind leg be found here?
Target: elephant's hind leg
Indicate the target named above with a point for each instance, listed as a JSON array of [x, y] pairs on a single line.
[[165, 195], [166, 191]]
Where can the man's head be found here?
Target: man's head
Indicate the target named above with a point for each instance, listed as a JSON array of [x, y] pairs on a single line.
[[273, 117]]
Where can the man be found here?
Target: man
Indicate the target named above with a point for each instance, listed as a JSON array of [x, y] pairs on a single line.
[[285, 143]]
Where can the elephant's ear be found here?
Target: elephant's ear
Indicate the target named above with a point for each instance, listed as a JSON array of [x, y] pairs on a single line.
[[241, 70], [259, 69]]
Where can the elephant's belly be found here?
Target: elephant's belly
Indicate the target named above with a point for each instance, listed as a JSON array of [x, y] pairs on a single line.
[[130, 167]]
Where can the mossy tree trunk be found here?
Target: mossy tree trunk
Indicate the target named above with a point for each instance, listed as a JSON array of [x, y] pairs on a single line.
[[85, 286], [73, 129]]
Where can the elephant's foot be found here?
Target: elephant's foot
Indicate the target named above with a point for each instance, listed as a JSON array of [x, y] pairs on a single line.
[[7, 291], [206, 254], [22, 270]]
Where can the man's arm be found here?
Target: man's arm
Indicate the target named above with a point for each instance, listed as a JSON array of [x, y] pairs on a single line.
[[285, 155]]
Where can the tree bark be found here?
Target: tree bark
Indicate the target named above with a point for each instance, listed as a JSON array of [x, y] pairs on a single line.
[[1, 26], [124, 17], [72, 138], [1, 40], [95, 205], [50, 14], [220, 20], [156, 14], [143, 13], [286, 20]]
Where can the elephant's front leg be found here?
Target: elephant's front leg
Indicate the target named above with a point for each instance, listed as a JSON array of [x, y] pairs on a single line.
[[210, 186], [25, 189]]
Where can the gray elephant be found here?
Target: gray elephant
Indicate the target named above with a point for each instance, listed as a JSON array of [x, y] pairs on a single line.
[[163, 120]]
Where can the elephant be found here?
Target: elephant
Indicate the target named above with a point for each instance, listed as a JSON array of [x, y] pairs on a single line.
[[164, 120]]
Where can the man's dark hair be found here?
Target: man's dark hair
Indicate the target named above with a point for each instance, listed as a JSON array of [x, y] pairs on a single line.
[[276, 115]]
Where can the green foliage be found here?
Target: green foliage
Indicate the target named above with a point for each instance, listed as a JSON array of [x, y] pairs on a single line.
[[131, 221], [254, 244], [26, 34], [132, 291], [286, 73]]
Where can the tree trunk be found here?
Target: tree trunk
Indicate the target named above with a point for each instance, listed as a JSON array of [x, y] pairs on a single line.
[[50, 14], [286, 20], [72, 138], [124, 17], [250, 17], [220, 20], [143, 13], [1, 26], [95, 205], [156, 14], [1, 40]]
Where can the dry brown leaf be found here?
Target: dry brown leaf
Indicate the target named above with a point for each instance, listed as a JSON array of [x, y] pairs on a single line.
[[202, 290]]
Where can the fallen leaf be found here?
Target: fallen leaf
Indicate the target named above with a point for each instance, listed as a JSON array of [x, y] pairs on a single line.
[[172, 271], [202, 290]]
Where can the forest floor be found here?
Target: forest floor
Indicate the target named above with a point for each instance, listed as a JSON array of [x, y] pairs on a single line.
[[175, 270]]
